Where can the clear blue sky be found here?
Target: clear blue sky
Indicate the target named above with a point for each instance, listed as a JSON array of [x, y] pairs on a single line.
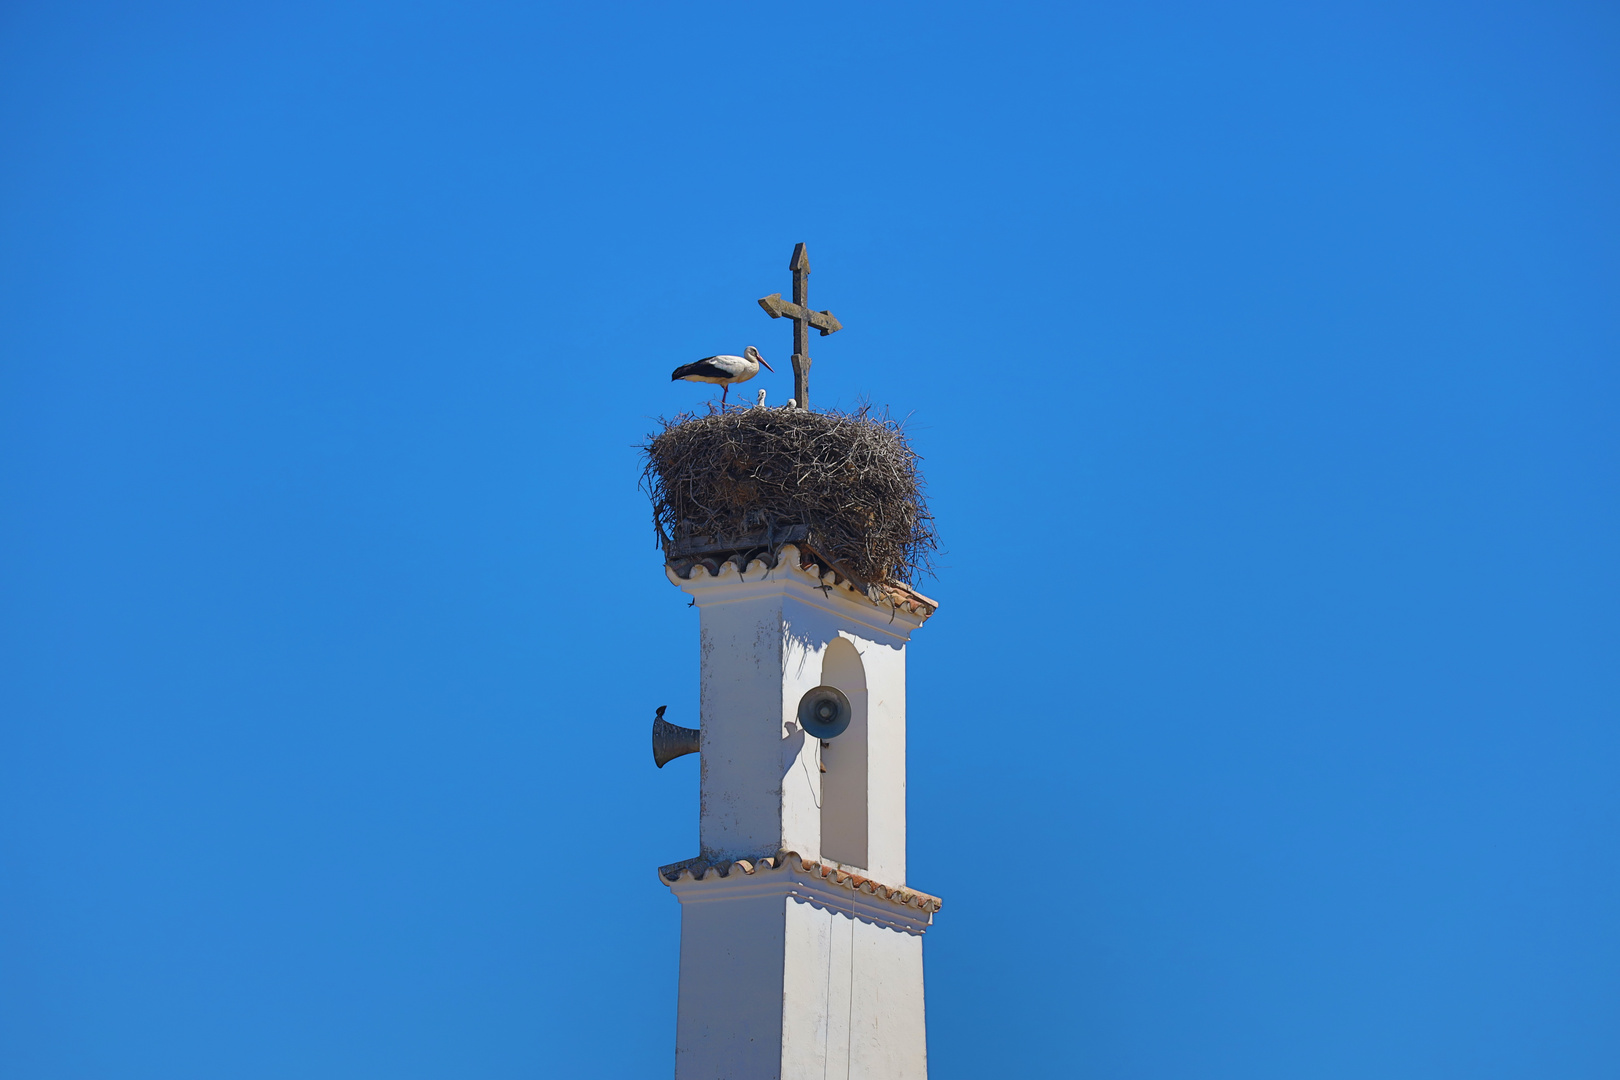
[[1264, 361]]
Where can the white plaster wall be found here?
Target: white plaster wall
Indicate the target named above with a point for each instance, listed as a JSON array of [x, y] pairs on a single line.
[[782, 986], [728, 1020], [807, 626], [852, 999], [809, 1041], [763, 637], [745, 747], [885, 663], [888, 1033], [845, 777]]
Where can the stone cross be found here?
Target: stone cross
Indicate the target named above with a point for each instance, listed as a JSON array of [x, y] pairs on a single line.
[[803, 319]]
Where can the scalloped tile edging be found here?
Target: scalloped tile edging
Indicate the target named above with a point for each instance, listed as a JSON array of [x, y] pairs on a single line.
[[893, 595], [904, 897]]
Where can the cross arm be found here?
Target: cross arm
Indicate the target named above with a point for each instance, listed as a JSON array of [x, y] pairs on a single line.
[[777, 308]]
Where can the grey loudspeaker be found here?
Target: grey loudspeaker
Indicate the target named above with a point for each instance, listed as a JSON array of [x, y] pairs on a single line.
[[824, 712], [671, 741]]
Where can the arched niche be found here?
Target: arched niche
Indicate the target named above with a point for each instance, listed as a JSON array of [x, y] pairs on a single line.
[[844, 785]]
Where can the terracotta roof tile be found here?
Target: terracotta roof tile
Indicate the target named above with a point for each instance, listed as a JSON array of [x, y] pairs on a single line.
[[697, 870], [828, 574]]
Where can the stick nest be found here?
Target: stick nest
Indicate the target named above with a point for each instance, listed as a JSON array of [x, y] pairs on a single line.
[[849, 480]]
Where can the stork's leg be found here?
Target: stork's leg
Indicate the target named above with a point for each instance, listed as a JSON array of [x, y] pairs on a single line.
[[724, 388]]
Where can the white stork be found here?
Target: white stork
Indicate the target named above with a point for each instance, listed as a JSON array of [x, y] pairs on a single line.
[[724, 370]]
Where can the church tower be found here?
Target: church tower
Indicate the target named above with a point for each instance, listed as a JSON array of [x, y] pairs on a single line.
[[801, 943], [801, 946]]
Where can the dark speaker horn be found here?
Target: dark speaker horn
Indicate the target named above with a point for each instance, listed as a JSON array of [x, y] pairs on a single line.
[[671, 741], [824, 712]]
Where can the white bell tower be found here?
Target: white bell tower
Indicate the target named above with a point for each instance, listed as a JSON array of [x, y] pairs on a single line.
[[801, 946]]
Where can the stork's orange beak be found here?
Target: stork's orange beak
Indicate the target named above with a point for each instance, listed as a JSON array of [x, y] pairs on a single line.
[[767, 366]]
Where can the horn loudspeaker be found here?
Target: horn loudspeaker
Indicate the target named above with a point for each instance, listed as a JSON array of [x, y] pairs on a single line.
[[670, 741]]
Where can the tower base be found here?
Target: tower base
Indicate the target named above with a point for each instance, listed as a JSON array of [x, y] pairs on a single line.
[[797, 970]]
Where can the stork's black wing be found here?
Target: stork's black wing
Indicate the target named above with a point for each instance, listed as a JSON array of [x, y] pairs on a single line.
[[705, 368]]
